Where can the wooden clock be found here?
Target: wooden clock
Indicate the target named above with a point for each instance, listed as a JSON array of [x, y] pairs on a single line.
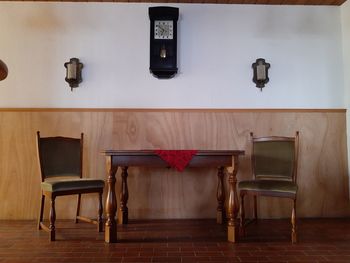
[[163, 41]]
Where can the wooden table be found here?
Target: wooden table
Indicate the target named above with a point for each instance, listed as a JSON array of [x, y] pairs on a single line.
[[225, 161]]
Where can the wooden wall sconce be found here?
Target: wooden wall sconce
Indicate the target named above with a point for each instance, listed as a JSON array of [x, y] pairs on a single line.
[[3, 70], [73, 72], [260, 71]]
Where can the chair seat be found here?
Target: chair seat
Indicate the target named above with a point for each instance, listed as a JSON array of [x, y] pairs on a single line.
[[56, 185], [275, 186]]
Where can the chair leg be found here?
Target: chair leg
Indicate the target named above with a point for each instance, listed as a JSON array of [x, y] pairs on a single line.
[[78, 209], [41, 212], [255, 208], [100, 211], [52, 220], [242, 216], [293, 221]]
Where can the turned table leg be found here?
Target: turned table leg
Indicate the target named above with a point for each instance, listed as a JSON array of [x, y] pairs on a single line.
[[111, 203], [124, 196], [233, 205], [220, 195]]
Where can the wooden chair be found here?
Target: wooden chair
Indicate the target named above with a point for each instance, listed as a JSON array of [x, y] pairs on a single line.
[[61, 165], [274, 166]]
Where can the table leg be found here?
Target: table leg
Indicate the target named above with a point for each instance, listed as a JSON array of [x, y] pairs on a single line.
[[220, 195], [124, 196], [111, 203], [233, 205]]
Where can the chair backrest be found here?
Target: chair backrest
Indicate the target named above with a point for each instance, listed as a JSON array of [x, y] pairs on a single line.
[[60, 156], [275, 157]]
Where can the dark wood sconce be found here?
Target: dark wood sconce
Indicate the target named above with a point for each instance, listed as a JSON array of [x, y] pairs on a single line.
[[3, 70], [73, 72], [261, 73]]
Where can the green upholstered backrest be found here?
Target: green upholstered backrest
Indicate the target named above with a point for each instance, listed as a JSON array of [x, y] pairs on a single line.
[[274, 159], [60, 156]]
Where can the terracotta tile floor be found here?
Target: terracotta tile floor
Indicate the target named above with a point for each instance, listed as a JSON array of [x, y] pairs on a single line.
[[320, 240]]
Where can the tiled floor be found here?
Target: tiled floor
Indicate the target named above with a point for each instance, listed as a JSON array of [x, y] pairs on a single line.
[[320, 240]]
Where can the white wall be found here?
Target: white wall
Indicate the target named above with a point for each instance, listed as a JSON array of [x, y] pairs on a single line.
[[217, 45], [345, 16]]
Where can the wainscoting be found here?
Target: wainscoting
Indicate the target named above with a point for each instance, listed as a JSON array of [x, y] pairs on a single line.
[[165, 193]]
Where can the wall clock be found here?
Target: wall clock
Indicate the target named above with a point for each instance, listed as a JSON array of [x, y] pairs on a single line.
[[163, 41]]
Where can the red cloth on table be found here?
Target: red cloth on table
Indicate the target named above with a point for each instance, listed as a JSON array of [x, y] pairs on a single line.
[[177, 159]]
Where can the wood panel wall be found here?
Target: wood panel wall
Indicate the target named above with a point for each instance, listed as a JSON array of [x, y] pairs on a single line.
[[164, 193]]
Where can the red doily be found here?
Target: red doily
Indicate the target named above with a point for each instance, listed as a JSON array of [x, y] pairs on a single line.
[[177, 159]]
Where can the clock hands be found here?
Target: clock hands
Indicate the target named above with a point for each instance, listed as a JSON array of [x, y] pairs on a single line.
[[161, 29]]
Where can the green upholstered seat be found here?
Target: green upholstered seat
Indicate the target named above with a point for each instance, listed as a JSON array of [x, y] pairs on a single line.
[[71, 184], [274, 169], [61, 169], [276, 186]]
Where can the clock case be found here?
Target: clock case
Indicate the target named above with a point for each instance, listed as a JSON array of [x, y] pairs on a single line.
[[163, 67]]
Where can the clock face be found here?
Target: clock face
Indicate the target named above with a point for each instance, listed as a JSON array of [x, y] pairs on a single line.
[[163, 29]]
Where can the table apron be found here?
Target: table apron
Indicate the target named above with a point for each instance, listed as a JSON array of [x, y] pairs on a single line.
[[156, 161]]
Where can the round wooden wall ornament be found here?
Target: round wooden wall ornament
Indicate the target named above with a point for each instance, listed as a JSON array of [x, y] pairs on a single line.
[[3, 70]]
